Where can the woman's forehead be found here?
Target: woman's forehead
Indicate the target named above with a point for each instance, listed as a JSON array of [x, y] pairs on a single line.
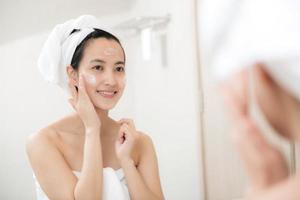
[[105, 49], [103, 43]]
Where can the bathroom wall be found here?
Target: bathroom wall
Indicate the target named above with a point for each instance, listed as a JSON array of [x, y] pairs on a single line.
[[24, 18]]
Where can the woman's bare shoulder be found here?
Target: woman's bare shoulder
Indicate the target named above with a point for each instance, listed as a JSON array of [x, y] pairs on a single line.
[[144, 138], [47, 136], [145, 144], [42, 139], [47, 161]]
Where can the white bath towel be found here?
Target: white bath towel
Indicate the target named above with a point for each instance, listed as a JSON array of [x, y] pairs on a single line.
[[114, 185], [238, 33]]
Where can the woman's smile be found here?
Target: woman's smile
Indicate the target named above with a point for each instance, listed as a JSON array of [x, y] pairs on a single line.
[[107, 93]]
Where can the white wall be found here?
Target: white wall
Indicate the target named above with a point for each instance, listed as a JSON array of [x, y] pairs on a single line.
[[19, 18], [162, 100], [25, 107]]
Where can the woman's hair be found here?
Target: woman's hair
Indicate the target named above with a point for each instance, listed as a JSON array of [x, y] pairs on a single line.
[[97, 33]]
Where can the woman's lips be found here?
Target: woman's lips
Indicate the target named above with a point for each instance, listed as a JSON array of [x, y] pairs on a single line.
[[107, 94]]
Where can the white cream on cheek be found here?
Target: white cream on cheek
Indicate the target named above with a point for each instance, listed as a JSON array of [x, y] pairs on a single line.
[[90, 78]]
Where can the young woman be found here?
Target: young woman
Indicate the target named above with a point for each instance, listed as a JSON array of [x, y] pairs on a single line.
[[80, 156]]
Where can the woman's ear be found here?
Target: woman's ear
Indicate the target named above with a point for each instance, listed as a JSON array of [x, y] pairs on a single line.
[[72, 74]]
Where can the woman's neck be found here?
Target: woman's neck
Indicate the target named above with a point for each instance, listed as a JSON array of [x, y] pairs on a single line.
[[103, 116], [107, 124]]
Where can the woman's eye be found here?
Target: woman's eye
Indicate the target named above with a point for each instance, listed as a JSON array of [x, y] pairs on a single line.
[[120, 69], [98, 67]]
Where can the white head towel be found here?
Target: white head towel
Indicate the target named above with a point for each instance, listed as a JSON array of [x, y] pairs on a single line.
[[60, 46]]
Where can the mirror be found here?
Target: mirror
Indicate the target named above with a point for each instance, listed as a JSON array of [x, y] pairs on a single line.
[[162, 93]]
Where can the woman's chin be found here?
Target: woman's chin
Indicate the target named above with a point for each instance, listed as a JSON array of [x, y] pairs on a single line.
[[104, 104], [105, 107]]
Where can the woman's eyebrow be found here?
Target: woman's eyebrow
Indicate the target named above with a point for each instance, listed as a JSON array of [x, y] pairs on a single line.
[[120, 63], [97, 60]]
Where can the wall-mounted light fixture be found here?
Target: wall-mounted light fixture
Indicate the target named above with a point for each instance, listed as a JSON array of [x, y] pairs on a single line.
[[144, 27]]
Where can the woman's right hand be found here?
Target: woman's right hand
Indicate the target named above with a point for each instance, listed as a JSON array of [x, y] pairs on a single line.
[[82, 104], [280, 107], [264, 163]]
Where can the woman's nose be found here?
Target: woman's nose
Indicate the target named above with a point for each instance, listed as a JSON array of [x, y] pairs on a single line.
[[110, 78]]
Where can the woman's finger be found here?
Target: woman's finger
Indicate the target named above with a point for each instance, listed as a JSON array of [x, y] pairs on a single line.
[[261, 73], [235, 94], [252, 156], [129, 122], [121, 137], [264, 163], [81, 87], [123, 133], [124, 120], [272, 99], [125, 127], [130, 126]]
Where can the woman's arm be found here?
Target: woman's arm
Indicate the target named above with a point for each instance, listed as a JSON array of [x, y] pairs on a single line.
[[143, 180], [89, 185], [54, 174]]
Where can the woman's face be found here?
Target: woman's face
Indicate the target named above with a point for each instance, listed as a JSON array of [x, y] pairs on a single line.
[[103, 67]]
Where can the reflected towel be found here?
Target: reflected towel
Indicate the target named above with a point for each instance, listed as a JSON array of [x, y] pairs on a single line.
[[239, 33]]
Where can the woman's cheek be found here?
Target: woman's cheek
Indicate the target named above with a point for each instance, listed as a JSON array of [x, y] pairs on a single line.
[[122, 83], [90, 79]]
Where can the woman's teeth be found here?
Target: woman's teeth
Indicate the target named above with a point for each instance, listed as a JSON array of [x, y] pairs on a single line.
[[107, 94]]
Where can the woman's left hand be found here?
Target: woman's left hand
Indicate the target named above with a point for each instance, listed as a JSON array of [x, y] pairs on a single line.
[[126, 141]]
